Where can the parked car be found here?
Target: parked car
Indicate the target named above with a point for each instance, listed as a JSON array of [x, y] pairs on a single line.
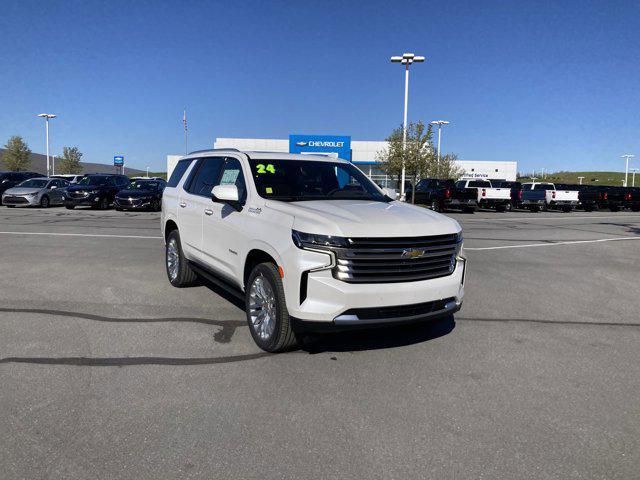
[[11, 179], [69, 177], [442, 195], [310, 240], [487, 196], [141, 194], [515, 189], [95, 191], [35, 192], [543, 196]]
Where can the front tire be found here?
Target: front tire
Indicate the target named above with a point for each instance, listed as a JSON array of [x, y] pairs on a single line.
[[179, 271], [104, 204], [69, 207], [266, 309], [44, 202]]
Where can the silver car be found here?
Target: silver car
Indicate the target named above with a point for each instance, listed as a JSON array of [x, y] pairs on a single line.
[[36, 192]]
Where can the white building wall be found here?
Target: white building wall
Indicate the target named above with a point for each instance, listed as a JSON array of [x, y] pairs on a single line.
[[489, 169]]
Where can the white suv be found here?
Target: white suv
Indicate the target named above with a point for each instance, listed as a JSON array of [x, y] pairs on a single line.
[[311, 242]]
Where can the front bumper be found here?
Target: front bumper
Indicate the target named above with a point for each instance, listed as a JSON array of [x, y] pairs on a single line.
[[132, 203], [321, 298], [21, 200], [87, 201]]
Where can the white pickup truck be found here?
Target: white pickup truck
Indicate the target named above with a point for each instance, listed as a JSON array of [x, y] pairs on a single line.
[[543, 196], [310, 241], [488, 196]]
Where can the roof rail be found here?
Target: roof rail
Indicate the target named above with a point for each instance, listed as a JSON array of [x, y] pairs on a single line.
[[214, 150]]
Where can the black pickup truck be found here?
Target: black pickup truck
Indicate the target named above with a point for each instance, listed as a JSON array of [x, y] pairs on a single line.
[[442, 195], [596, 197], [632, 199]]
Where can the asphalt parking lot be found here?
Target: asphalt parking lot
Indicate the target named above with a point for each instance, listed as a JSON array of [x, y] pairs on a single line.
[[109, 372]]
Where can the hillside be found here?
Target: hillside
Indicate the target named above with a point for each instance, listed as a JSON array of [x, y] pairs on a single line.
[[39, 164], [590, 178]]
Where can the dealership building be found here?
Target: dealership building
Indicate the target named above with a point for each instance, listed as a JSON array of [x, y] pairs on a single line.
[[362, 153]]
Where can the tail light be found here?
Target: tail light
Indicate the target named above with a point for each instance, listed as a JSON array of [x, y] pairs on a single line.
[[605, 196], [599, 195], [553, 194], [447, 193], [484, 192], [627, 196], [519, 194]]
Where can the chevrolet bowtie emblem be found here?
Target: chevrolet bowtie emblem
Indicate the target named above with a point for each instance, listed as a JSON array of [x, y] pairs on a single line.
[[412, 253]]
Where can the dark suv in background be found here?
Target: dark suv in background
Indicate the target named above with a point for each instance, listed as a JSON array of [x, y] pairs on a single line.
[[11, 179], [95, 191], [141, 194]]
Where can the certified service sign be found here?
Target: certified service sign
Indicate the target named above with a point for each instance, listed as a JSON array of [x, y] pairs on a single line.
[[321, 144]]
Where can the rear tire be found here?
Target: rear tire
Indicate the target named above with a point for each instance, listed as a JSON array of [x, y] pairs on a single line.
[[266, 309], [566, 209], [104, 203], [508, 207], [435, 206], [179, 271], [69, 207], [469, 209]]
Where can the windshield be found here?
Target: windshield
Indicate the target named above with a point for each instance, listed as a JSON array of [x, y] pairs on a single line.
[[298, 180], [33, 183], [93, 181], [143, 185]]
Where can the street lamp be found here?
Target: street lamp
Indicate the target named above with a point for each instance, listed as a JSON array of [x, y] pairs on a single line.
[[580, 180], [406, 59], [46, 117], [439, 123], [626, 171], [633, 176]]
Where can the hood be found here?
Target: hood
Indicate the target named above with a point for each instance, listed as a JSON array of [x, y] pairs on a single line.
[[21, 191], [135, 193], [362, 218], [82, 188]]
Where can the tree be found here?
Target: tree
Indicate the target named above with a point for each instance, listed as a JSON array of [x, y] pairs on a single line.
[[70, 160], [445, 168], [417, 156], [17, 155]]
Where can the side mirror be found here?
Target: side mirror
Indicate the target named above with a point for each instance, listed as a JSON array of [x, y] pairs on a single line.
[[53, 187], [390, 192], [226, 194], [5, 181]]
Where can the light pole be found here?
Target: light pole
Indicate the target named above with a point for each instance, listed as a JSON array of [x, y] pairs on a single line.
[[46, 117], [633, 176], [626, 171], [439, 123], [580, 180], [147, 172], [406, 59]]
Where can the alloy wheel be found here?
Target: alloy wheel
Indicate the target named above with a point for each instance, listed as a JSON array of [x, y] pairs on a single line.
[[262, 307]]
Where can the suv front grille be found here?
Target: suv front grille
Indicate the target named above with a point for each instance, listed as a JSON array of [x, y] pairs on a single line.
[[400, 259]]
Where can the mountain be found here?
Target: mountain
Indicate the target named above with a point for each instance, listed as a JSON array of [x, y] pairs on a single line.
[[39, 165]]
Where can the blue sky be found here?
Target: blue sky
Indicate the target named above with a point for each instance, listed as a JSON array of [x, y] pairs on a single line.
[[550, 84]]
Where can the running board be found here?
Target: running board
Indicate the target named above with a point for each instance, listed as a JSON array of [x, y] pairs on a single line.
[[217, 281]]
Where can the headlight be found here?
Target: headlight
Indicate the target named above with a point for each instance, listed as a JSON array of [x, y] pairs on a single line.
[[312, 240], [33, 194], [95, 191], [459, 242]]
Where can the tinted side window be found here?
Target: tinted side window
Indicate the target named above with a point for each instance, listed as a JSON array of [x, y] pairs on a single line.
[[206, 177], [232, 175], [178, 172]]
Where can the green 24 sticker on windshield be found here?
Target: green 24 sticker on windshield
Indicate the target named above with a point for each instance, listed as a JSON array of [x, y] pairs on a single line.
[[262, 169]]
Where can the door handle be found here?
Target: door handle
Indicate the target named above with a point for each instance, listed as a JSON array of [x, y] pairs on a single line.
[[208, 211], [182, 204]]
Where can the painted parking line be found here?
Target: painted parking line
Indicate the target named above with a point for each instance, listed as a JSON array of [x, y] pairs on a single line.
[[551, 244], [80, 235], [567, 217]]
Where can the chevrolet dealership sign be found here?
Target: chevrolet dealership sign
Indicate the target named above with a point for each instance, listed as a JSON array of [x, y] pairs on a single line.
[[321, 144]]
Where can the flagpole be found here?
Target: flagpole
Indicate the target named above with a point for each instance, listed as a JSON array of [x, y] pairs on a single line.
[[184, 122]]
